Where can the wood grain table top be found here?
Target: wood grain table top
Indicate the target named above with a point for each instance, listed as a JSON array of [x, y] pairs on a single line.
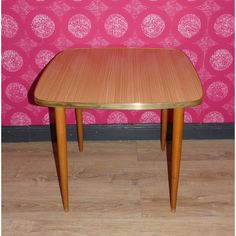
[[121, 78]]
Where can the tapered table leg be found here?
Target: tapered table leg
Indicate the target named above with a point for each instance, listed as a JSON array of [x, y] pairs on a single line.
[[79, 121], [178, 123], [164, 122], [62, 154]]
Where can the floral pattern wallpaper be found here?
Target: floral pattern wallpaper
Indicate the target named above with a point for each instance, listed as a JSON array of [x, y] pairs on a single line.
[[33, 31]]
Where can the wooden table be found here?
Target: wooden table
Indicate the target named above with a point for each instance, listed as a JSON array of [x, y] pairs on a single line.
[[119, 79]]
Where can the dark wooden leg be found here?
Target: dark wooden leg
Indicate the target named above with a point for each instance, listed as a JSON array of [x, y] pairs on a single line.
[[178, 123], [79, 121], [62, 154], [164, 122]]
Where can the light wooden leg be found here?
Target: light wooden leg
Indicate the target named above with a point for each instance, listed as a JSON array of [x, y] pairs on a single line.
[[164, 122], [178, 123], [62, 154], [79, 121]]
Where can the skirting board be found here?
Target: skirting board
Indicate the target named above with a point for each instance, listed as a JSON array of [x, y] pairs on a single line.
[[117, 132]]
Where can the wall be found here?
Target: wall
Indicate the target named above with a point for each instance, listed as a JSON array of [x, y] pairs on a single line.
[[33, 31]]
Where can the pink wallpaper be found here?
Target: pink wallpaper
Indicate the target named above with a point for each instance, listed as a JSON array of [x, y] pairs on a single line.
[[33, 31]]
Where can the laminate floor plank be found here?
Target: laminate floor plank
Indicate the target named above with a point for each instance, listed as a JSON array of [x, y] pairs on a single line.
[[118, 188]]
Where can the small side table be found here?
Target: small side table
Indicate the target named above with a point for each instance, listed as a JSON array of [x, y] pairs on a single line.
[[110, 78]]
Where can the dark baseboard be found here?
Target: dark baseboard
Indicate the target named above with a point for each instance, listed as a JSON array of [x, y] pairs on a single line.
[[116, 132]]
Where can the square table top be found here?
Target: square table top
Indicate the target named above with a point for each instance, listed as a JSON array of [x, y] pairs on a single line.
[[119, 78]]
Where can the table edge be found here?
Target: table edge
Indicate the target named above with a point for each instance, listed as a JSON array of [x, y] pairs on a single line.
[[122, 106]]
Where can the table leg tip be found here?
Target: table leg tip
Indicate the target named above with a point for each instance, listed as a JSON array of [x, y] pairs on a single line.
[[66, 209], [173, 210], [163, 146]]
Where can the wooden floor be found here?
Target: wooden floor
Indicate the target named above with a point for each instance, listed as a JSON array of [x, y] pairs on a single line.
[[118, 188]]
